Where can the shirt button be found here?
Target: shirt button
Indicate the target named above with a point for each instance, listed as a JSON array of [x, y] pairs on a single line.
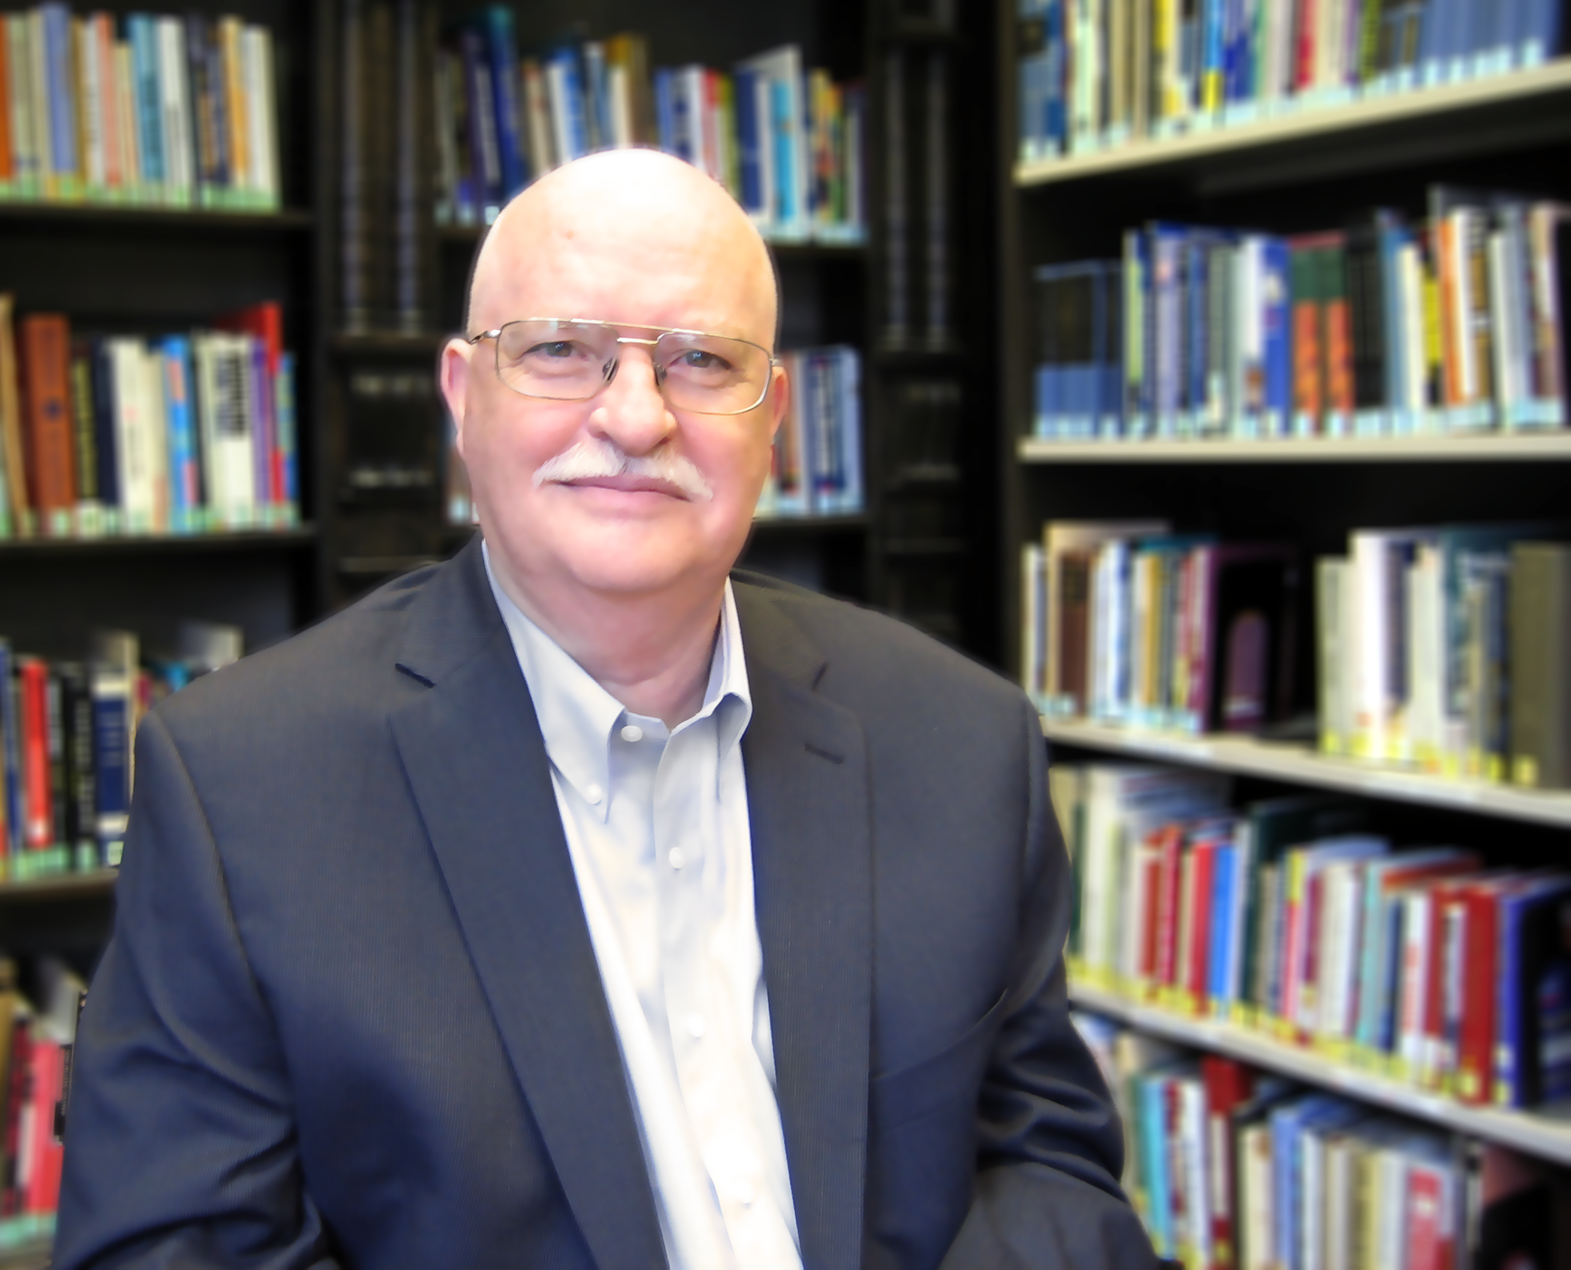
[[744, 1195], [677, 858], [593, 794], [695, 1026], [632, 734]]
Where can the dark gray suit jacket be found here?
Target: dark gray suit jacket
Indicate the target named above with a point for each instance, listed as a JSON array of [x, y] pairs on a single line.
[[350, 1015]]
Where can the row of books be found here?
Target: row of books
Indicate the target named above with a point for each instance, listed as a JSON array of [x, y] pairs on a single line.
[[67, 732], [787, 142], [1232, 1167], [816, 466], [1289, 916], [1098, 74], [1445, 647], [149, 110], [188, 433], [1386, 328], [1128, 623], [1438, 648], [35, 1062]]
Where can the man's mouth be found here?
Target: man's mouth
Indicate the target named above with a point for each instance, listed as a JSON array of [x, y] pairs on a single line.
[[627, 483]]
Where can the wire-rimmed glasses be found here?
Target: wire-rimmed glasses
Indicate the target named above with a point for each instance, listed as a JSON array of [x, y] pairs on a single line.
[[573, 359]]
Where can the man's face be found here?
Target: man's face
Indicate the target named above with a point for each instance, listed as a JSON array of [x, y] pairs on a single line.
[[613, 534]]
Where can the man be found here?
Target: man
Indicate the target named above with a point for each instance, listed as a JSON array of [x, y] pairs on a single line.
[[570, 905]]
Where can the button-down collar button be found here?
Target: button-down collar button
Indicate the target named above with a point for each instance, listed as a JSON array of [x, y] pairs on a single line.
[[593, 794], [695, 1026], [632, 734], [677, 858]]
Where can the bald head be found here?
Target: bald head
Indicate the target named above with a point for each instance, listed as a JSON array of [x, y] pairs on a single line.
[[622, 208]]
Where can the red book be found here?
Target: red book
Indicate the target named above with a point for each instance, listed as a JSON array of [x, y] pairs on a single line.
[[45, 354], [1151, 867], [1476, 1045], [1229, 1084], [43, 1182], [1171, 843], [265, 322], [1196, 956], [1445, 894], [38, 820], [1430, 1236], [1304, 47]]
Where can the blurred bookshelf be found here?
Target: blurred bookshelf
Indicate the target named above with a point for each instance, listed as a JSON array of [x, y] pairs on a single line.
[[1210, 363]]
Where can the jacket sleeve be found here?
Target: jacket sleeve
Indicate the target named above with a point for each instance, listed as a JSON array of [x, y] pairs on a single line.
[[1049, 1143], [180, 1142]]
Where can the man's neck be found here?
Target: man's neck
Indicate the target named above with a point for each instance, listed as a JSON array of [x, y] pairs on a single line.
[[652, 652]]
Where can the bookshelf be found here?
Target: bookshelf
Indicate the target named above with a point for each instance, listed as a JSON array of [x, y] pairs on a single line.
[[1545, 1133], [1294, 171], [1299, 765]]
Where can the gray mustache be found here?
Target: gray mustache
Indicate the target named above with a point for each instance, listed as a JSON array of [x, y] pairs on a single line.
[[597, 457]]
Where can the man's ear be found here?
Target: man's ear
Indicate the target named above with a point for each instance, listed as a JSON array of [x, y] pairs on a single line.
[[453, 376], [779, 398]]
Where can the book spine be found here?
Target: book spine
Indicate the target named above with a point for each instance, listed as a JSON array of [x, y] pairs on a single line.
[[45, 349]]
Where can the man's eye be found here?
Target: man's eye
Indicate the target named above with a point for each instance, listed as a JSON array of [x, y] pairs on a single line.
[[699, 359], [555, 348]]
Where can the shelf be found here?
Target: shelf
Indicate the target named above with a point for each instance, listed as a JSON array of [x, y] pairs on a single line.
[[1296, 764], [810, 249], [99, 884], [1544, 1133], [924, 547], [100, 215], [808, 524], [1510, 448], [160, 544], [1532, 102]]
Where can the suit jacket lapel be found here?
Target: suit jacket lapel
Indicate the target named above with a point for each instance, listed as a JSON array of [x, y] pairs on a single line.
[[476, 763], [809, 809]]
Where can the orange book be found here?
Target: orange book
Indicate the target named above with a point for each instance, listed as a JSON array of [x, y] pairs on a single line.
[[1338, 331], [45, 349]]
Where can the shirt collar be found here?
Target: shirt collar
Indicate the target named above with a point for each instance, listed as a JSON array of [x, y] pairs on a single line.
[[578, 717]]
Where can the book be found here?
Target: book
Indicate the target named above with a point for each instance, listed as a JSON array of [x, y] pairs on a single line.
[[1540, 684], [44, 343]]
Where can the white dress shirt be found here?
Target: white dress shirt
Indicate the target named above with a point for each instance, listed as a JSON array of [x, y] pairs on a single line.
[[657, 828]]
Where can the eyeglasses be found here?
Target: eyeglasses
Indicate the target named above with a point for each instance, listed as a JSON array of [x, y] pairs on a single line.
[[574, 359]]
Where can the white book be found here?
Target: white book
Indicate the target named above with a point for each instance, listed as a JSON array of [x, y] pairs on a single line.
[[228, 462], [1256, 1184], [1332, 583], [768, 195], [134, 398], [1414, 983], [1379, 612], [621, 105], [175, 111], [1192, 1135], [1339, 937], [261, 114], [84, 33]]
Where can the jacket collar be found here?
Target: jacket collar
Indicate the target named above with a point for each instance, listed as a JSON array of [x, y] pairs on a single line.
[[476, 763]]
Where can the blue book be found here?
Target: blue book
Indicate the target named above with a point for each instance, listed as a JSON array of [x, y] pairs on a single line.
[[288, 443], [1276, 295], [785, 152], [1288, 1122], [1541, 31], [10, 734], [1056, 88], [482, 118], [597, 95], [104, 430], [184, 471], [503, 49], [573, 81], [111, 692], [143, 32], [1156, 1160], [60, 72], [665, 108], [747, 148], [1220, 953]]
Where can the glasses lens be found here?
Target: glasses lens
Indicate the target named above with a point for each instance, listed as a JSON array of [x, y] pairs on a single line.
[[560, 361], [711, 374]]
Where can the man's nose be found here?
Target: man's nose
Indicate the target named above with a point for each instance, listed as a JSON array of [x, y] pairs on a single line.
[[631, 411]]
